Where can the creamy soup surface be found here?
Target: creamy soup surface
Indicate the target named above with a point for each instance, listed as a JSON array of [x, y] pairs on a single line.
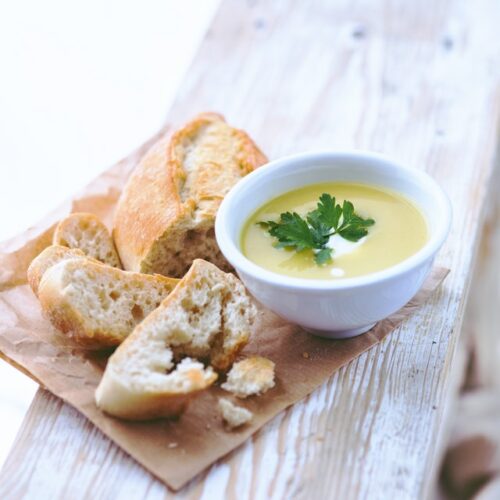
[[400, 230]]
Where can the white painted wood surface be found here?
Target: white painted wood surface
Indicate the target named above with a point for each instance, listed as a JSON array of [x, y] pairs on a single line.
[[416, 80]]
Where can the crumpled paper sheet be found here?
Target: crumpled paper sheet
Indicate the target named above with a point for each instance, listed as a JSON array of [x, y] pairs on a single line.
[[177, 450]]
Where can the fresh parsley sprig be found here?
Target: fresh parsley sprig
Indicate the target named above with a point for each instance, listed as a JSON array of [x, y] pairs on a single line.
[[313, 232]]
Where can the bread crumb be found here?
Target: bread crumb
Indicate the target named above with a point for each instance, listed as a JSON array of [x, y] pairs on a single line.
[[306, 355], [254, 375], [234, 415]]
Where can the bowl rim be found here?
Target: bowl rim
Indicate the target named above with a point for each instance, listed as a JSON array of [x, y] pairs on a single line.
[[241, 263]]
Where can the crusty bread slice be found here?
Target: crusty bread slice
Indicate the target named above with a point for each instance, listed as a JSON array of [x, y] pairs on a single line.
[[234, 415], [48, 258], [207, 316], [254, 375], [143, 386], [88, 233], [99, 305], [165, 215]]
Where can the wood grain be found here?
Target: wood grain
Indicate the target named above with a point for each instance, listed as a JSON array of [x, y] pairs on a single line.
[[416, 80]]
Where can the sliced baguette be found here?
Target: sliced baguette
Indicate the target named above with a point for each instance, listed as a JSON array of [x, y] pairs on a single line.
[[165, 215], [155, 389], [86, 232], [99, 305], [48, 258], [207, 316]]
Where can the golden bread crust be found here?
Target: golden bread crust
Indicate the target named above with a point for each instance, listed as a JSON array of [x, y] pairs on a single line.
[[165, 216]]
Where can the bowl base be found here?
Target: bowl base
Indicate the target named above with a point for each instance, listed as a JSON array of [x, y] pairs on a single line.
[[340, 334]]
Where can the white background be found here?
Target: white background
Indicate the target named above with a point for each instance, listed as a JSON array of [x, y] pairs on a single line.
[[81, 85]]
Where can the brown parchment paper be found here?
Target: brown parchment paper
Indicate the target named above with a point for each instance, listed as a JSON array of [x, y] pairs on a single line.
[[174, 451]]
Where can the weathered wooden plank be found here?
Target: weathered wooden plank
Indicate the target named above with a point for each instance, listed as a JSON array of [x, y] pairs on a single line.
[[416, 80]]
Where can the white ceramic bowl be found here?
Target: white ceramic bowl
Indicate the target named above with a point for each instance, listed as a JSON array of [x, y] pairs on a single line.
[[333, 308]]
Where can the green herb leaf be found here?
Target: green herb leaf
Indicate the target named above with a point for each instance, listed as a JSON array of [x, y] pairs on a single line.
[[320, 231], [353, 233], [353, 227], [313, 232], [292, 231], [328, 212], [324, 256]]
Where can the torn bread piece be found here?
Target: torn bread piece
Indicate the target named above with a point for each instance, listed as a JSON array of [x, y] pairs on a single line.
[[207, 316], [48, 258], [88, 233], [145, 385], [234, 415], [166, 213], [254, 375], [98, 305]]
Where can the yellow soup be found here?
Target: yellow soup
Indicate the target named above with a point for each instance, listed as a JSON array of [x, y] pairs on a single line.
[[399, 231]]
